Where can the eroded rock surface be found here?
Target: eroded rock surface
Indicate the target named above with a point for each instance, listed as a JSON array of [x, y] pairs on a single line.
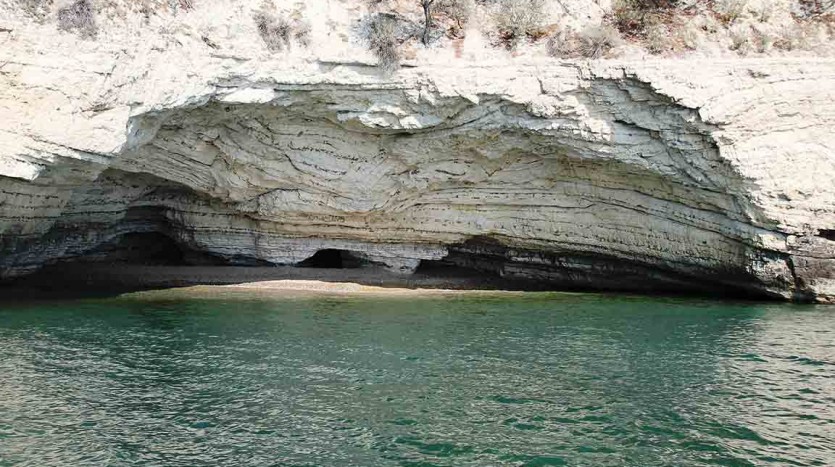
[[668, 175]]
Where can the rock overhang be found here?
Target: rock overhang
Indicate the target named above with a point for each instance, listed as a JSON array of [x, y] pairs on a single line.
[[630, 164]]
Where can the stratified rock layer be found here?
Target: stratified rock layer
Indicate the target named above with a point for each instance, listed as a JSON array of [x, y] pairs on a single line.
[[668, 175]]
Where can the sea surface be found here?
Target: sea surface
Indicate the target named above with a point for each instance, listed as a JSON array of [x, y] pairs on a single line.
[[165, 379]]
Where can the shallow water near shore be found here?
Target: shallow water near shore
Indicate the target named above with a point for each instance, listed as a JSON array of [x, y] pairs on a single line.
[[229, 378]]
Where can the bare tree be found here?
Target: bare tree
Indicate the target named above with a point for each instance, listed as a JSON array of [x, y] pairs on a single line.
[[427, 23]]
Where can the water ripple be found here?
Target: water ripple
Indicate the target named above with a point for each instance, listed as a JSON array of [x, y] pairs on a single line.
[[536, 381]]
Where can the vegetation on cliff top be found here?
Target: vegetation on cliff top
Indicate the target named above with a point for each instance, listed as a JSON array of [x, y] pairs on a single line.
[[389, 29]]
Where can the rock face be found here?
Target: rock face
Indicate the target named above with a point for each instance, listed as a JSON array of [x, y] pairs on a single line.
[[668, 175]]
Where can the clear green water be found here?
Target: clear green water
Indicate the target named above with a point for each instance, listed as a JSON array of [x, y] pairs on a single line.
[[537, 380]]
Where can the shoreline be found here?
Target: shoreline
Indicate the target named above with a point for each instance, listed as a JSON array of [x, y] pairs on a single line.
[[300, 288], [70, 281], [342, 288], [80, 280]]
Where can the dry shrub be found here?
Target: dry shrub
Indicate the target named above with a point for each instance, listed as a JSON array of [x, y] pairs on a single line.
[[592, 42], [277, 31], [729, 11], [302, 33], [274, 31], [792, 37], [381, 39], [519, 19], [36, 8], [689, 36], [180, 5], [708, 23], [750, 26], [114, 11], [814, 13], [657, 24], [628, 18], [657, 39], [78, 17], [634, 18], [597, 42], [766, 10], [457, 11], [741, 39], [807, 9], [746, 39]]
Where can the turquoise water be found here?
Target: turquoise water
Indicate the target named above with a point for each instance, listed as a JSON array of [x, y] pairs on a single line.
[[453, 381]]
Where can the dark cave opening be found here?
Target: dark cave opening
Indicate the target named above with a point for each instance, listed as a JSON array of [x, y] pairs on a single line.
[[146, 248], [331, 258], [150, 249], [828, 234], [485, 262], [110, 268]]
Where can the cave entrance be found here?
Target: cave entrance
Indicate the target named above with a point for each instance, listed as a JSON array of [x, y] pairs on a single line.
[[149, 248], [332, 258]]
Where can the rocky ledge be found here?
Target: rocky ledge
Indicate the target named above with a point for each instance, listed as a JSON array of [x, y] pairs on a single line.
[[644, 176]]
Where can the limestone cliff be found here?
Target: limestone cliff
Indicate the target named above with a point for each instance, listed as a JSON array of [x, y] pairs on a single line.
[[652, 175]]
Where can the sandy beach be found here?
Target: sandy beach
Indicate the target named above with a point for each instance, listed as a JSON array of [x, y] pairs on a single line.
[[330, 287], [79, 279]]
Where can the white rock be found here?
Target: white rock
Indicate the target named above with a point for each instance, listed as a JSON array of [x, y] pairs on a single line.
[[673, 173]]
